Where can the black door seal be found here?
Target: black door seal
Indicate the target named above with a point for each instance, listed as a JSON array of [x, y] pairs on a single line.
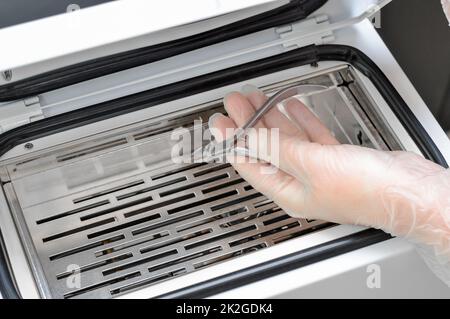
[[280, 265], [293, 11]]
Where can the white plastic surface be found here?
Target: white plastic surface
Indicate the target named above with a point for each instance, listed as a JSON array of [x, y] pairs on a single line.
[[390, 269], [96, 26]]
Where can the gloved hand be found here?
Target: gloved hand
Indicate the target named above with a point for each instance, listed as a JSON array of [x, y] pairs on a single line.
[[446, 6], [318, 178]]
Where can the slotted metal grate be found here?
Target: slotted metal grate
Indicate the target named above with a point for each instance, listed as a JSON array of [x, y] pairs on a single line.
[[157, 226]]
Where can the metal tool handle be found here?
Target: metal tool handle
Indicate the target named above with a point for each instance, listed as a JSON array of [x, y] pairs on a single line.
[[302, 90], [274, 100]]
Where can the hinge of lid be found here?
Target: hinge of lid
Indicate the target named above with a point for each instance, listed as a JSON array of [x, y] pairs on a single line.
[[295, 35], [318, 30], [376, 20], [19, 113]]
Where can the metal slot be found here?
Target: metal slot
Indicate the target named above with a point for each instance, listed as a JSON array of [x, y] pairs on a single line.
[[186, 258], [73, 211], [78, 229], [137, 221], [228, 256], [146, 282], [95, 265], [86, 247], [109, 191], [132, 243]]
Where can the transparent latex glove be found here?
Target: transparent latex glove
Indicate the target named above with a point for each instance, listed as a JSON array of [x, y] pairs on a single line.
[[446, 6], [318, 178]]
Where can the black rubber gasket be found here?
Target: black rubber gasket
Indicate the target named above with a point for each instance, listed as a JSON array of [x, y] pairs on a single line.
[[7, 287], [295, 10], [294, 58]]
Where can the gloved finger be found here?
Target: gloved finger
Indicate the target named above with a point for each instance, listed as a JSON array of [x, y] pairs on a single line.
[[278, 149], [282, 188], [239, 109], [273, 118], [256, 99], [270, 181], [316, 131], [223, 128], [218, 124]]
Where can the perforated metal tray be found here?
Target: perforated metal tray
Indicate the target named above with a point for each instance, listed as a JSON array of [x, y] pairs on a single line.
[[113, 215]]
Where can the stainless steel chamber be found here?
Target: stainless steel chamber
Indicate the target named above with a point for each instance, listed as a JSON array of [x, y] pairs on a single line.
[[117, 215]]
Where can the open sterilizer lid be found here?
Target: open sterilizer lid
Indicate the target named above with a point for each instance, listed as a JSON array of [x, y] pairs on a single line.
[[168, 27], [61, 50], [105, 205]]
